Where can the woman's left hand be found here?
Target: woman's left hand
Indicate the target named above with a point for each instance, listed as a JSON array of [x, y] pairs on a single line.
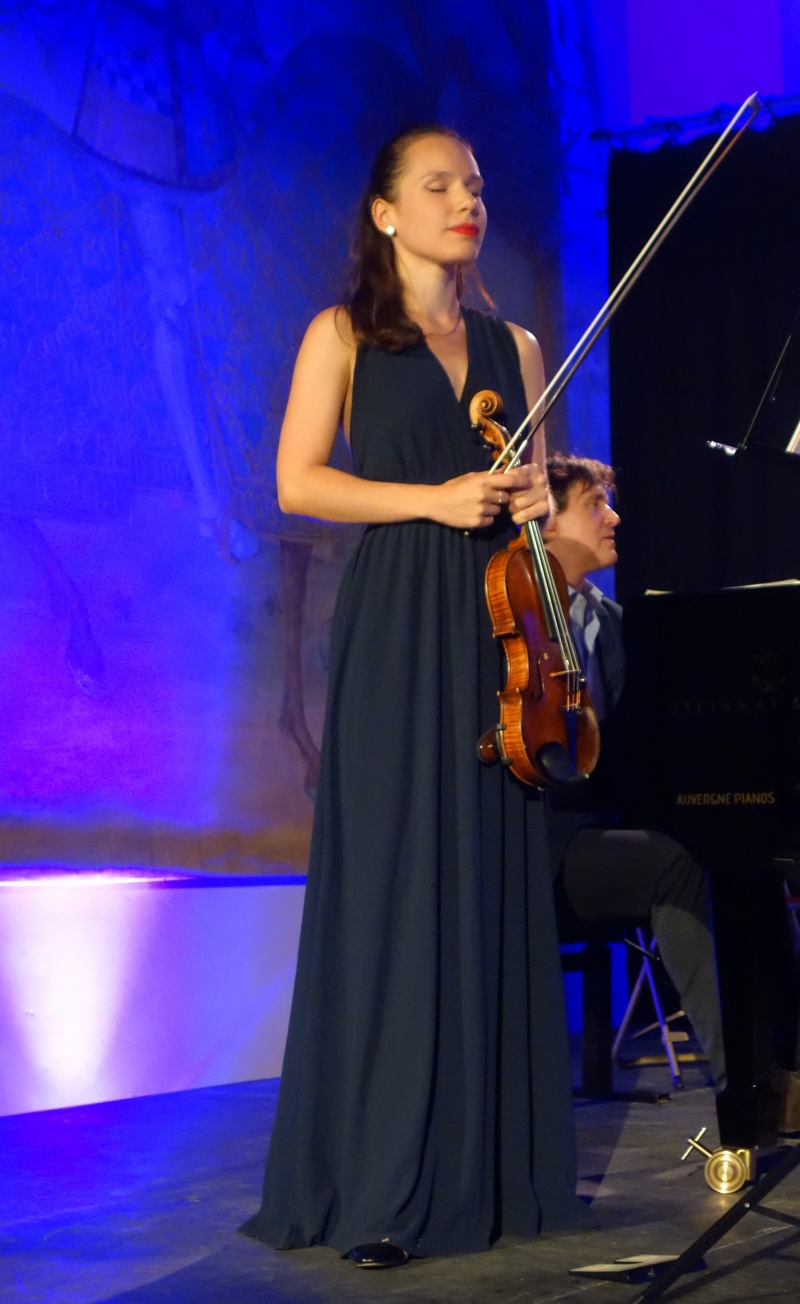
[[531, 503]]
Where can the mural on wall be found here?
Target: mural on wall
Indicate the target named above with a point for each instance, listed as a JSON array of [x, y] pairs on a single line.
[[176, 185]]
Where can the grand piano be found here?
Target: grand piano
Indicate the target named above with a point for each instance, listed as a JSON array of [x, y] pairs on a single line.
[[706, 741], [706, 746]]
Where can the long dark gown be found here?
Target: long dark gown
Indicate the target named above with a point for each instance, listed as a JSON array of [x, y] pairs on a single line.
[[425, 1095]]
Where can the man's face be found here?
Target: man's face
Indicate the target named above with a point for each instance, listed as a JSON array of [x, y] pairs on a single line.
[[581, 535]]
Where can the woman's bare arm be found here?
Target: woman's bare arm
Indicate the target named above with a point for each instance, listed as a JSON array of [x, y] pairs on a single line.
[[525, 505], [532, 368]]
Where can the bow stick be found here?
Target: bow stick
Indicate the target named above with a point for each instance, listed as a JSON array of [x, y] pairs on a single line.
[[561, 379]]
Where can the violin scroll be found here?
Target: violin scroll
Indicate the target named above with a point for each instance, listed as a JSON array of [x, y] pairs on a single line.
[[482, 408]]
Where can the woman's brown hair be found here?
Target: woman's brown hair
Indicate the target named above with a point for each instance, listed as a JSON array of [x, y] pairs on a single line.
[[374, 298]]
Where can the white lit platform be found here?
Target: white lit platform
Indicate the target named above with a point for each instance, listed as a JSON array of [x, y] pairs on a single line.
[[125, 983]]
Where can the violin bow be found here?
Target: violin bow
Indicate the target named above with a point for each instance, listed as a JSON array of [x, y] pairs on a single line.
[[520, 439]]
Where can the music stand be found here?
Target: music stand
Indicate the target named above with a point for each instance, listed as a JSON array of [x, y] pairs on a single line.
[[775, 413]]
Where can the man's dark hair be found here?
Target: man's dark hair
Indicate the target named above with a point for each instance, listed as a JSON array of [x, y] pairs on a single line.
[[566, 469]]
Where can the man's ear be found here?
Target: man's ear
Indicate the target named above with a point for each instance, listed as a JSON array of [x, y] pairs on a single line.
[[550, 527]]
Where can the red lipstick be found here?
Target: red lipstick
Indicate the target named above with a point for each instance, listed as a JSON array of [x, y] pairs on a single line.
[[465, 228]]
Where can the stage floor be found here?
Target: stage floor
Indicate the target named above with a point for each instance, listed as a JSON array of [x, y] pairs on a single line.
[[139, 1200]]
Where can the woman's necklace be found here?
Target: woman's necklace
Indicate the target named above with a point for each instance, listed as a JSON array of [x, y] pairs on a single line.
[[442, 334]]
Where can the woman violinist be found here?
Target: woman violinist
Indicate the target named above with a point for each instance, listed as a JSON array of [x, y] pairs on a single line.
[[425, 1104]]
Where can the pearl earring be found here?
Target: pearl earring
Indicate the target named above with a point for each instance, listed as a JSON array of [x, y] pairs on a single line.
[[390, 230]]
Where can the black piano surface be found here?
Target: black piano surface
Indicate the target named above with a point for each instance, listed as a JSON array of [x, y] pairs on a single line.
[[706, 746]]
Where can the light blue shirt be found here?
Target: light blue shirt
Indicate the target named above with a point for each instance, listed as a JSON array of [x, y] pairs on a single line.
[[585, 622]]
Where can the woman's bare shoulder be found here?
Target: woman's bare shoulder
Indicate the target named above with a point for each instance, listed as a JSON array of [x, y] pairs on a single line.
[[526, 342], [530, 364], [323, 371], [331, 329]]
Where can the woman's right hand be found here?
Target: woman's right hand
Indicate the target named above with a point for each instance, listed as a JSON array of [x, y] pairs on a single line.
[[472, 501]]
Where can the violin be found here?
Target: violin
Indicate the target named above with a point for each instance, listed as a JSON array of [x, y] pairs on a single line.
[[548, 732]]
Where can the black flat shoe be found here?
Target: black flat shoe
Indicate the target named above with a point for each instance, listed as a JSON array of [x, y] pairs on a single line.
[[378, 1254]]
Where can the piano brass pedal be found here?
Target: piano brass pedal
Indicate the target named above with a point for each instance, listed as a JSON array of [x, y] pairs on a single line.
[[725, 1170]]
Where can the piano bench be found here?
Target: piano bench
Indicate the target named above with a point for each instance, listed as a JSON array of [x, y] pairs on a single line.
[[592, 960], [591, 957]]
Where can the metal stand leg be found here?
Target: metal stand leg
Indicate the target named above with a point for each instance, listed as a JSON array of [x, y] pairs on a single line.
[[646, 975]]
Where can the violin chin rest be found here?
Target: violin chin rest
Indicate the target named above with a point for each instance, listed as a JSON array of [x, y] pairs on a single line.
[[556, 767]]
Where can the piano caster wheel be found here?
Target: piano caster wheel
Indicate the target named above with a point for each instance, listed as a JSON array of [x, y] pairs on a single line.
[[726, 1170]]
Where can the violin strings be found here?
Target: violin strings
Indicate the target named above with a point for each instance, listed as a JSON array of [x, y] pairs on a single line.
[[550, 594]]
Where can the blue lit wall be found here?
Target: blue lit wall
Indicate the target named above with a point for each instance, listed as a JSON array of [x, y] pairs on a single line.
[[175, 186], [675, 60], [176, 183]]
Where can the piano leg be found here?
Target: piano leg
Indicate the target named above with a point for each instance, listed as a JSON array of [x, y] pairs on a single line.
[[757, 984]]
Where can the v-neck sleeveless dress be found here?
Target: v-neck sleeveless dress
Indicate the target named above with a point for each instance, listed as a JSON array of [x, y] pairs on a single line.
[[425, 1096]]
